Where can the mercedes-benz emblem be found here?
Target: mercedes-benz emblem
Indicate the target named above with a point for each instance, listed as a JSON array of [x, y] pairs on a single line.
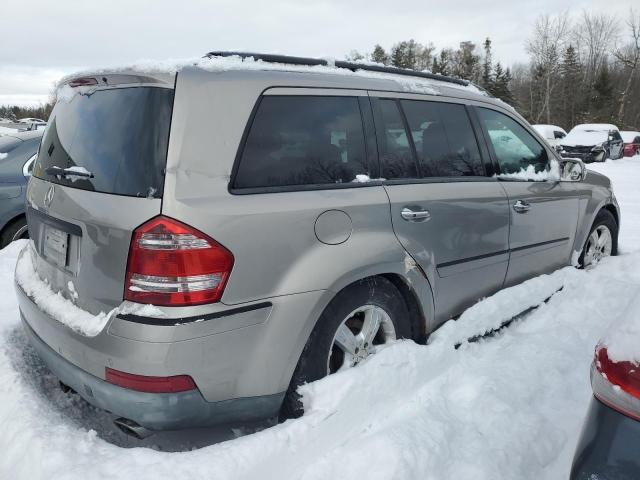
[[48, 197]]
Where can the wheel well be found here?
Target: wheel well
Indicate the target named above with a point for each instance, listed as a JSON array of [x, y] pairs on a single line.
[[13, 221], [418, 322], [612, 209]]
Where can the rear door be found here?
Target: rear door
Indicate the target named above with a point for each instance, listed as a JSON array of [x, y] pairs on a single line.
[[115, 141], [448, 214], [543, 210]]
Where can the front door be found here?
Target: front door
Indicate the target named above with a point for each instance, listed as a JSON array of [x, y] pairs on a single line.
[[543, 210], [451, 218]]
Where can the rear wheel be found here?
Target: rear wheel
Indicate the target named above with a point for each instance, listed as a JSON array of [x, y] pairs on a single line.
[[352, 327], [14, 231], [602, 240]]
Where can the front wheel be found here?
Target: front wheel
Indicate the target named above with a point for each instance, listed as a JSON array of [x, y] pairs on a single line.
[[602, 241], [359, 319]]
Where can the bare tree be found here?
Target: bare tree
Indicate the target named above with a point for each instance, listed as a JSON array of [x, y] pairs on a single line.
[[629, 56], [595, 34], [548, 40]]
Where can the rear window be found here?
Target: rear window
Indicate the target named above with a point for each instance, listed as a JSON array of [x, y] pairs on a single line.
[[119, 135], [303, 140]]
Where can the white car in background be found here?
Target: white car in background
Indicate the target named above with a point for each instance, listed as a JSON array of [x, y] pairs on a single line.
[[31, 121], [551, 133]]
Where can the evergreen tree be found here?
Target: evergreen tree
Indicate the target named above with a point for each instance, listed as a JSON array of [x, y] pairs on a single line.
[[487, 66], [379, 55], [500, 84], [602, 98], [570, 80]]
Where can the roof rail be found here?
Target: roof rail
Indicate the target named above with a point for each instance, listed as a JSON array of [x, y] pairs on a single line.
[[271, 58]]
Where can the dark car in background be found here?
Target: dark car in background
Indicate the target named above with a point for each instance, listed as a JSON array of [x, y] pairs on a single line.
[[631, 143], [593, 142], [17, 154]]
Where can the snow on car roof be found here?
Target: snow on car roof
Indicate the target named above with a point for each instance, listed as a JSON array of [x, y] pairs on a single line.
[[577, 138], [594, 127], [237, 63]]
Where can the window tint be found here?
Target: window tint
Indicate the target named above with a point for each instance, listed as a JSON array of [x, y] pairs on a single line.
[[303, 140], [445, 143], [558, 135], [395, 152], [514, 147], [120, 135]]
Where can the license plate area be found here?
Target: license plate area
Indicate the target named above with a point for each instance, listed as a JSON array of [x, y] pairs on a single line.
[[56, 246]]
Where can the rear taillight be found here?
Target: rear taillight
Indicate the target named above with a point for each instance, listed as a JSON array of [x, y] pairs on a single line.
[[173, 264], [616, 384], [142, 383]]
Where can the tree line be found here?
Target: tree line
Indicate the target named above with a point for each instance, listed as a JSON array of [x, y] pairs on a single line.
[[582, 68]]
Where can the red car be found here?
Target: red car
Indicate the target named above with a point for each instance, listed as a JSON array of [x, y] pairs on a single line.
[[631, 143]]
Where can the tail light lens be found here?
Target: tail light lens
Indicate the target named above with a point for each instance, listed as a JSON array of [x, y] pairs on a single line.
[[173, 264], [141, 383], [617, 384]]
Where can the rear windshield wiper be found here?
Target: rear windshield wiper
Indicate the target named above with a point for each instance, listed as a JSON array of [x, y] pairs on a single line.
[[69, 172]]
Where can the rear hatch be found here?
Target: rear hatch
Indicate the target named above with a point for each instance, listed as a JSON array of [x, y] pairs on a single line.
[[99, 174]]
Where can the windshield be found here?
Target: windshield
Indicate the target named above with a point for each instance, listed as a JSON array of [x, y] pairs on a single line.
[[119, 135]]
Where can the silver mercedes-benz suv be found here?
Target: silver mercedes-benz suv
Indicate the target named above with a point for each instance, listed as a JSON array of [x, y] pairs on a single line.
[[205, 241]]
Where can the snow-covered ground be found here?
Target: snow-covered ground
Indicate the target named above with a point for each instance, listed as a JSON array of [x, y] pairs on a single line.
[[506, 407]]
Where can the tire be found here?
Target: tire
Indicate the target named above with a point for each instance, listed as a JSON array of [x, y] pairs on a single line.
[[13, 231], [320, 354], [603, 219]]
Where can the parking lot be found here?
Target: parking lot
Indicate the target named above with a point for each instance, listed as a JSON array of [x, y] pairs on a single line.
[[506, 406]]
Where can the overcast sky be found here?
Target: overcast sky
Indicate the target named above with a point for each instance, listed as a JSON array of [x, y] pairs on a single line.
[[41, 40]]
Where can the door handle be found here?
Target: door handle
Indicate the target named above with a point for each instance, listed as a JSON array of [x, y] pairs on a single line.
[[521, 207], [415, 215]]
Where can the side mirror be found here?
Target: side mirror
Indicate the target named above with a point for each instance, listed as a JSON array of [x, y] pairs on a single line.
[[572, 170]]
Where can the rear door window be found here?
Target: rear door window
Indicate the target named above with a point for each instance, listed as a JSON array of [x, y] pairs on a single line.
[[445, 143], [396, 155], [119, 135], [303, 140]]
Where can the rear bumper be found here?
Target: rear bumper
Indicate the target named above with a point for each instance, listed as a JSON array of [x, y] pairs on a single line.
[[240, 358], [155, 411], [608, 446]]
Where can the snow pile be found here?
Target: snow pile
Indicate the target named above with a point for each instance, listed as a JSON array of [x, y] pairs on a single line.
[[530, 174], [506, 407], [224, 64], [491, 314], [623, 338], [54, 304], [62, 309]]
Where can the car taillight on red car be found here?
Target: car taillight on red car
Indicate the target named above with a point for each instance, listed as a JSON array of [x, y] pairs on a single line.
[[173, 264], [617, 384]]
